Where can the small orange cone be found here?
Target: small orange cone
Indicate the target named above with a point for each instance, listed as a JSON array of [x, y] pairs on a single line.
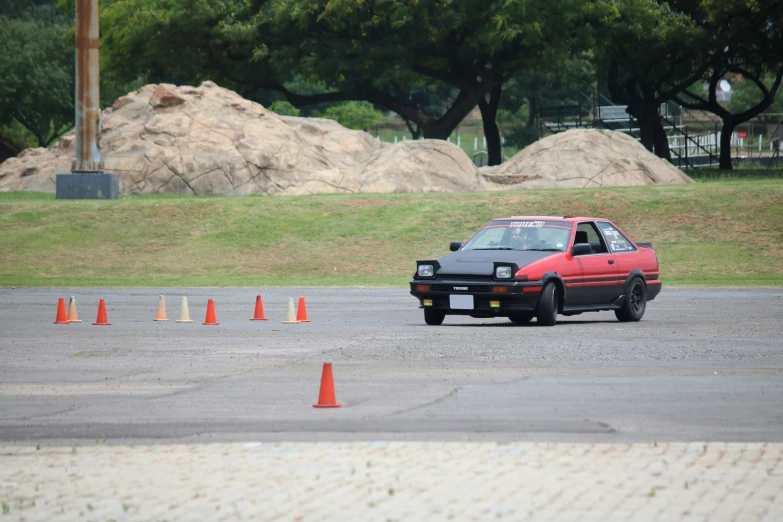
[[301, 312], [161, 315], [101, 320], [259, 315], [73, 314], [326, 397], [290, 316], [61, 319], [210, 320]]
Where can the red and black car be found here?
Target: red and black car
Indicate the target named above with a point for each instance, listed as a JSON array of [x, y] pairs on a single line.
[[541, 266]]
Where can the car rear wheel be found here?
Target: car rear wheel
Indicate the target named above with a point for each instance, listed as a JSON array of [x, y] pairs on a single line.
[[635, 302], [546, 313], [434, 317], [521, 318]]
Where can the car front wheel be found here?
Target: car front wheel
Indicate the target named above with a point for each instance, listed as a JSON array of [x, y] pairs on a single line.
[[635, 302], [546, 313], [434, 317]]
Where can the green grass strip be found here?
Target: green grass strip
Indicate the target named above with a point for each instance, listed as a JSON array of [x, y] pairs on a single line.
[[707, 234]]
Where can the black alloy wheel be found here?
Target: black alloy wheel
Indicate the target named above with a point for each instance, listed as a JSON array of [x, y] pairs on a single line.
[[635, 302], [434, 317], [521, 317], [546, 313]]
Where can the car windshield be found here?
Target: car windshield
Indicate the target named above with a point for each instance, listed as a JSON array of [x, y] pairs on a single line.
[[521, 235]]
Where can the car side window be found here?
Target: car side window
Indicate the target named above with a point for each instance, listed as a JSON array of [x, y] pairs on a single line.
[[589, 231], [617, 241]]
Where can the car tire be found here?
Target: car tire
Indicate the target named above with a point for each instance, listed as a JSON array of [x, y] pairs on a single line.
[[521, 318], [434, 317], [635, 302], [546, 312]]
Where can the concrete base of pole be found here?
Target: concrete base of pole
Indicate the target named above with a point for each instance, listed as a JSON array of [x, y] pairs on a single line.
[[88, 185]]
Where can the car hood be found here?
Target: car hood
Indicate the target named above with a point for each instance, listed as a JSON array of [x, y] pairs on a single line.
[[482, 262]]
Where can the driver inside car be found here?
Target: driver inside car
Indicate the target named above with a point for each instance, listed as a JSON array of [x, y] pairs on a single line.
[[522, 238]]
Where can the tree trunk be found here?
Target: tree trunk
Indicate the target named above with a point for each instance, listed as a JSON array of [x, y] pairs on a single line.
[[533, 103], [661, 141], [646, 130], [7, 150], [489, 112], [725, 143], [415, 130], [441, 128]]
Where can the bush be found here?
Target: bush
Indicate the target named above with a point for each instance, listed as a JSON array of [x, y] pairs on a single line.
[[283, 108], [354, 115]]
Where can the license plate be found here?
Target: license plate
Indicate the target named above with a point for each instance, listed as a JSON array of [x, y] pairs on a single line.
[[461, 302]]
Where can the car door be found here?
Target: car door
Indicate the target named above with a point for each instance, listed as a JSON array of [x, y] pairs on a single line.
[[599, 283], [625, 254]]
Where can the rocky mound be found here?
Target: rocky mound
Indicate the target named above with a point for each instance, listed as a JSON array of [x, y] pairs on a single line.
[[584, 158], [210, 140]]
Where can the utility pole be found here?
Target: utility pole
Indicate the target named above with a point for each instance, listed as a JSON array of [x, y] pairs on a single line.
[[87, 179]]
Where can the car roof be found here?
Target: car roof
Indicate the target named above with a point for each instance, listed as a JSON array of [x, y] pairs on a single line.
[[563, 218]]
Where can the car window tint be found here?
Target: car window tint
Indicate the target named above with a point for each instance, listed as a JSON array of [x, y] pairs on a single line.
[[489, 238], [593, 237], [617, 241]]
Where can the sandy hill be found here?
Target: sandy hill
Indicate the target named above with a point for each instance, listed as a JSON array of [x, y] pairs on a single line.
[[209, 140]]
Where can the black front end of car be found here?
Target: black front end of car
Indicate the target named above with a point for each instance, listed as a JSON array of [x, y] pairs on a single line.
[[475, 295], [490, 299]]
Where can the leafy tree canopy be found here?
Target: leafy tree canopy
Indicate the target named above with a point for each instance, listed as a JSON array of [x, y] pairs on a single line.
[[37, 88]]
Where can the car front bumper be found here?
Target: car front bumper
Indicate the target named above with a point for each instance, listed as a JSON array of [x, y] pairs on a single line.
[[488, 298]]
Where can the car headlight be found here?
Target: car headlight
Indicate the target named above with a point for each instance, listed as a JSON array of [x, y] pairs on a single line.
[[426, 270], [503, 272]]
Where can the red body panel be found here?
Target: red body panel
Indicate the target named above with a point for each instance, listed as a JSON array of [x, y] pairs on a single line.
[[591, 282]]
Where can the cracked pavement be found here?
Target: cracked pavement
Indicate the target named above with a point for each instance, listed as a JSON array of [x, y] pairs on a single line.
[[701, 365], [674, 418]]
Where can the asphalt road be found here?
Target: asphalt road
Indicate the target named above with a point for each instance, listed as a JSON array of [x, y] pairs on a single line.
[[703, 365]]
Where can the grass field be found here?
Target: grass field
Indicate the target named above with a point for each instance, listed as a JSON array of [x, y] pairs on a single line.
[[716, 233]]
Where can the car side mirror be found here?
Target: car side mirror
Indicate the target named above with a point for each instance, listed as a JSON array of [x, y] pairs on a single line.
[[455, 245], [581, 249]]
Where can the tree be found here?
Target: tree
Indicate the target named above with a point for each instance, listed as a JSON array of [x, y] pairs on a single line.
[[649, 52], [745, 94], [474, 46], [370, 50], [527, 93], [37, 88], [260, 45], [747, 39]]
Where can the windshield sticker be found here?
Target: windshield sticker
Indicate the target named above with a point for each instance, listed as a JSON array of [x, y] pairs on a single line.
[[526, 224]]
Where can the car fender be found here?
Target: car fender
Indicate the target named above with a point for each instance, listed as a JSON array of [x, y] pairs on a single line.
[[554, 276], [636, 272]]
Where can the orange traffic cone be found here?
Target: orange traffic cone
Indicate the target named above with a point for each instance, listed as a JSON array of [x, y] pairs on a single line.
[[301, 312], [73, 314], [101, 320], [161, 315], [326, 397], [210, 319], [259, 315], [61, 319]]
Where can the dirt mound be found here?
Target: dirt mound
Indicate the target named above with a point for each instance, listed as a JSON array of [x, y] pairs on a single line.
[[583, 158], [210, 140]]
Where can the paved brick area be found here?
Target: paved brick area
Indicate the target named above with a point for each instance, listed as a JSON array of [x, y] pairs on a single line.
[[383, 481]]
